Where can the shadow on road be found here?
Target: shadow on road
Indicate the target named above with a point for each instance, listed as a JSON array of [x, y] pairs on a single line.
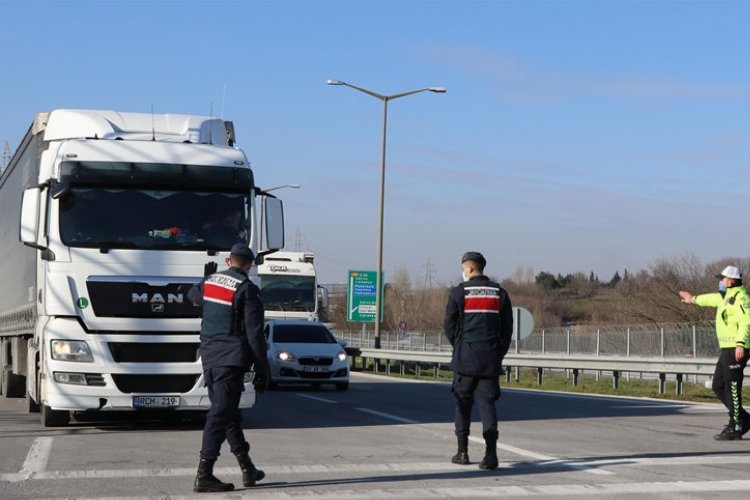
[[428, 403]]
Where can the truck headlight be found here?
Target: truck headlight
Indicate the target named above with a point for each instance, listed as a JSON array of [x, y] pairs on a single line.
[[70, 378], [341, 356], [71, 350]]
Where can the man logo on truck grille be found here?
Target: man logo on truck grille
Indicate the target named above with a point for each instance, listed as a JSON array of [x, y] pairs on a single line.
[[156, 300]]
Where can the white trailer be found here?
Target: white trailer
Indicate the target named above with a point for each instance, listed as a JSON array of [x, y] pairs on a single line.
[[289, 286], [118, 213]]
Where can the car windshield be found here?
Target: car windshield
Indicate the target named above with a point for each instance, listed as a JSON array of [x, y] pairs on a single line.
[[288, 293], [302, 334], [153, 219]]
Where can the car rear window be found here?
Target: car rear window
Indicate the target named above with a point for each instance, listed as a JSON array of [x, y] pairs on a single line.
[[302, 334]]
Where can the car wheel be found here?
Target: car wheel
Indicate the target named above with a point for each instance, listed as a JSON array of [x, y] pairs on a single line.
[[342, 387], [272, 386]]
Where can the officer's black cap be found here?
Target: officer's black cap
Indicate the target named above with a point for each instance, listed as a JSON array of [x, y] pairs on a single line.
[[242, 250], [475, 256]]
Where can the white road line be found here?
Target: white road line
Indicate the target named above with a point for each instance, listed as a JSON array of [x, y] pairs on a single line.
[[316, 398], [388, 416], [549, 460], [518, 451], [553, 490], [36, 460], [339, 470]]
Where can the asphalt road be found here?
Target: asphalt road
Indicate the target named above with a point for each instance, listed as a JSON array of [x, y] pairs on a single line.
[[388, 439]]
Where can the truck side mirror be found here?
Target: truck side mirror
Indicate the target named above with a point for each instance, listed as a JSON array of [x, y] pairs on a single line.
[[29, 225], [322, 297], [273, 222]]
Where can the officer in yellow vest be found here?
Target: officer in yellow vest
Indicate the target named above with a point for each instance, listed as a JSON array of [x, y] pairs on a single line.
[[732, 304]]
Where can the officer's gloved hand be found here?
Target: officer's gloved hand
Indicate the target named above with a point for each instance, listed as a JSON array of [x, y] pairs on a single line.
[[209, 269], [260, 382]]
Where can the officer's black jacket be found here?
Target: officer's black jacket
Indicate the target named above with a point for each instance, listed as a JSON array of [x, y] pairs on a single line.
[[246, 345], [481, 342]]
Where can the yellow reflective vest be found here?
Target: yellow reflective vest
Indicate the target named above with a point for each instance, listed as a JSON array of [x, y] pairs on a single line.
[[732, 315]]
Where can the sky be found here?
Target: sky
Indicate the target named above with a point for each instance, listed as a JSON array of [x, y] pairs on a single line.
[[573, 136]]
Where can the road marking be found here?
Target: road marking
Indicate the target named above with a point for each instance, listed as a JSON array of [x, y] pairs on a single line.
[[552, 490], [388, 416], [316, 398], [36, 460], [342, 469], [549, 460]]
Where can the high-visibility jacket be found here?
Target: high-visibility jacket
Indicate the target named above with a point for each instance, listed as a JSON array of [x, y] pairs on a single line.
[[732, 315]]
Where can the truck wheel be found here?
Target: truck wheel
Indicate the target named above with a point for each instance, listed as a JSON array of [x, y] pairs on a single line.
[[342, 387], [54, 418], [13, 386]]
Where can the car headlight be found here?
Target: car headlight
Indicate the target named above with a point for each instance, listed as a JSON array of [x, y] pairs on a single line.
[[341, 356], [285, 356], [71, 350]]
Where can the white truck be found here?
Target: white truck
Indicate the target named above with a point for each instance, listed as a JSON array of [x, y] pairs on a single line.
[[117, 214], [289, 286]]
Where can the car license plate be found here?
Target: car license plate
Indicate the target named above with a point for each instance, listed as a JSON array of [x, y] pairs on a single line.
[[316, 368], [155, 401]]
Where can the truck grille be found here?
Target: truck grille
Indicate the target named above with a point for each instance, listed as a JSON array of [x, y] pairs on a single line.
[[316, 361], [141, 300], [152, 352], [154, 383]]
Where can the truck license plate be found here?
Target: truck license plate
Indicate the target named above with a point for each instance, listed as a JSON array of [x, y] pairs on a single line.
[[155, 401]]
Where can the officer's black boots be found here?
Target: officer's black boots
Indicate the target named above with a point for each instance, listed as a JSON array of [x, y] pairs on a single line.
[[745, 423], [250, 475], [206, 482], [489, 462], [462, 455]]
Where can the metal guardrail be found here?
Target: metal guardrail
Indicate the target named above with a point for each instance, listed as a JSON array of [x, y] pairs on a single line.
[[575, 364]]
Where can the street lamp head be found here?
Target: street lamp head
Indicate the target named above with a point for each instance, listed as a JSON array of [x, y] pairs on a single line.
[[291, 186], [439, 90], [334, 82]]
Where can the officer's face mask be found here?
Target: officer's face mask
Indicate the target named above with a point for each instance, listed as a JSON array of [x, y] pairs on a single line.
[[722, 286], [463, 275]]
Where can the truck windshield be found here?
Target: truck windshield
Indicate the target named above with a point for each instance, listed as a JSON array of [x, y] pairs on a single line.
[[288, 293], [153, 219]]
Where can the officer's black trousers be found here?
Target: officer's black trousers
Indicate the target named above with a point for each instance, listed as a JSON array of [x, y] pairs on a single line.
[[727, 384], [224, 421], [486, 390]]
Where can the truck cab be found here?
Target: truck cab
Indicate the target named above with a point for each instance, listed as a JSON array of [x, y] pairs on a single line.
[[116, 216], [289, 286]]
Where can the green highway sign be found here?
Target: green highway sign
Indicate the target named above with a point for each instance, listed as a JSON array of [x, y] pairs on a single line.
[[361, 296]]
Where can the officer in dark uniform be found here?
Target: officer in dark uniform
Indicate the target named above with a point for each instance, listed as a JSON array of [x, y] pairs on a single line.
[[232, 340], [479, 326]]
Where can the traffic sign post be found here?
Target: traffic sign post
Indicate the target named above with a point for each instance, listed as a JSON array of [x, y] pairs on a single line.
[[361, 297]]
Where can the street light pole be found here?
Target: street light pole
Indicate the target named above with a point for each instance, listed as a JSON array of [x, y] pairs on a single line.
[[379, 271]]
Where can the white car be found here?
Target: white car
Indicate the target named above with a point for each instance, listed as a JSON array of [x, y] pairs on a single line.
[[305, 352]]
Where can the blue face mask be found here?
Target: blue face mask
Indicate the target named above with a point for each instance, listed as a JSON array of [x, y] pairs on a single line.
[[722, 286]]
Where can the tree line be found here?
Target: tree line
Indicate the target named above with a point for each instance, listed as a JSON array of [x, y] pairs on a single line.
[[645, 296]]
